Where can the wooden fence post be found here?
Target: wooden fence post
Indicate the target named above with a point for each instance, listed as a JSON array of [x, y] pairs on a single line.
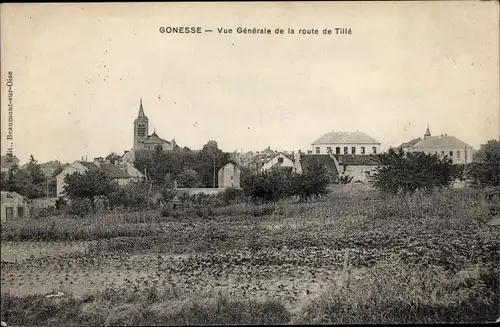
[[347, 268]]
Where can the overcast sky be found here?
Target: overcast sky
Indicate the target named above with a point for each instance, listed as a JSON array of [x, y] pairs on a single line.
[[79, 71]]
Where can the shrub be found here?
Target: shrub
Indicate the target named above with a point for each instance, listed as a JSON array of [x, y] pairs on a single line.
[[80, 207], [268, 186], [230, 196], [345, 179], [485, 170]]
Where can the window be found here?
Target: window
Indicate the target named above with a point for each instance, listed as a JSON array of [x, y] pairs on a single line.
[[362, 150], [317, 150], [328, 149], [458, 154], [346, 149], [451, 153], [309, 152], [9, 213], [141, 130], [337, 150], [232, 177], [280, 160], [353, 150], [442, 153], [20, 212], [374, 150]]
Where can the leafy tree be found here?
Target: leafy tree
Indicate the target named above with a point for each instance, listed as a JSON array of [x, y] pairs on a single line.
[[16, 180], [135, 195], [28, 181], [189, 178], [4, 181], [210, 160], [313, 181], [113, 157], [92, 185], [162, 167], [36, 176], [268, 186], [485, 170], [404, 173]]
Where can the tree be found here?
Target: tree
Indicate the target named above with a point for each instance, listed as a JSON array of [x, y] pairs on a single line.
[[189, 178], [313, 181], [485, 170], [404, 173], [30, 181], [162, 167], [4, 181], [135, 195], [92, 185], [209, 160], [268, 186], [113, 157]]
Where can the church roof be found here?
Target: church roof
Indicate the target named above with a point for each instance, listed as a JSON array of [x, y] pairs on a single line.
[[440, 142], [409, 144], [155, 139], [345, 138]]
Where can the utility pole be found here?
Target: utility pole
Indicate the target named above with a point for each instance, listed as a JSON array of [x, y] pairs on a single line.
[[214, 170]]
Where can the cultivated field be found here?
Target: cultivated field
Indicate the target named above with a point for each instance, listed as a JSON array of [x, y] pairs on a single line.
[[352, 257]]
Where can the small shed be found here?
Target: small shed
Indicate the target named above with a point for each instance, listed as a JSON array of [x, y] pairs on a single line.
[[13, 206]]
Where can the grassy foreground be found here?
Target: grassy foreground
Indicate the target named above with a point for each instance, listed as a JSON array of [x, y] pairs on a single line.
[[434, 261]]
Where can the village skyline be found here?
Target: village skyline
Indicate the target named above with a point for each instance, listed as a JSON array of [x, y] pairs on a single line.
[[76, 94]]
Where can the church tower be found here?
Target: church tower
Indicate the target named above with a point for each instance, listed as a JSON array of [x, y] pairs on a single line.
[[140, 129]]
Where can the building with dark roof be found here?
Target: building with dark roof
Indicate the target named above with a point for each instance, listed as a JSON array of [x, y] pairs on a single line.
[[122, 175], [356, 143], [443, 145], [361, 167]]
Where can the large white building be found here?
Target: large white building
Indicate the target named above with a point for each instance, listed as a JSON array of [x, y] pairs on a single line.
[[443, 145], [357, 143]]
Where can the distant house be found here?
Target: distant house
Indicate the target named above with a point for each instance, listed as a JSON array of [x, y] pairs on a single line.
[[229, 176], [443, 145], [115, 173], [304, 161], [361, 167], [355, 143], [13, 206], [279, 160], [8, 161], [256, 160]]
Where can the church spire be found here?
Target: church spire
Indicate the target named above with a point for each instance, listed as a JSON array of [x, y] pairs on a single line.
[[427, 132], [141, 110]]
